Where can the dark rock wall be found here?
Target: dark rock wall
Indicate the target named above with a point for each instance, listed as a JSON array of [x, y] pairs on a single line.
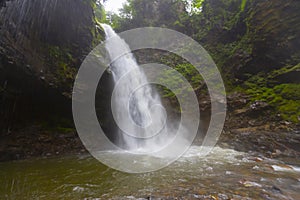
[[42, 44], [66, 22]]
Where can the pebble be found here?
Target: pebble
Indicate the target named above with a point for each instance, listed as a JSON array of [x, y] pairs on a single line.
[[250, 184], [276, 189], [78, 189], [223, 196], [255, 167], [209, 169], [281, 167], [257, 159], [228, 173]]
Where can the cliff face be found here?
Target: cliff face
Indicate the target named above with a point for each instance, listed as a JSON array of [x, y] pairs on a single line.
[[273, 32], [251, 35], [256, 45], [42, 44]]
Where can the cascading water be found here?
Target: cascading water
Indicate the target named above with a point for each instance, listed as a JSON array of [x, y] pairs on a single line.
[[143, 127]]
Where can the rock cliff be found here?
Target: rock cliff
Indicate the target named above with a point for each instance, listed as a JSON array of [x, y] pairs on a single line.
[[42, 44]]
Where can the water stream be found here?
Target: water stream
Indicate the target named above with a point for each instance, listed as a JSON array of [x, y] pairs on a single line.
[[138, 109], [224, 174]]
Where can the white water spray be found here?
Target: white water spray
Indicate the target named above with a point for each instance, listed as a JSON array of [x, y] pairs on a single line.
[[136, 105]]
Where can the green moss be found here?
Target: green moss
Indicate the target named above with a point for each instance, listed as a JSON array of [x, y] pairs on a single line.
[[188, 71], [283, 70], [97, 35], [98, 17], [285, 98], [65, 130], [54, 51], [290, 110], [65, 72], [288, 91], [58, 124], [62, 63]]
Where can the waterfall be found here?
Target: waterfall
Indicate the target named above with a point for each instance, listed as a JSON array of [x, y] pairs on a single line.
[[143, 128]]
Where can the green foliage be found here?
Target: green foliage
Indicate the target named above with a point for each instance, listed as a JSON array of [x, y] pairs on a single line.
[[114, 20], [100, 13], [187, 71], [197, 3], [141, 13], [243, 5]]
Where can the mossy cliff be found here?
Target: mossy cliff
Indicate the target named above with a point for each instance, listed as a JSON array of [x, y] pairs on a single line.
[[42, 44], [256, 45]]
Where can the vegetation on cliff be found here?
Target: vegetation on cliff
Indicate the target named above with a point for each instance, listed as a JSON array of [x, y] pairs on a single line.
[[255, 44]]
